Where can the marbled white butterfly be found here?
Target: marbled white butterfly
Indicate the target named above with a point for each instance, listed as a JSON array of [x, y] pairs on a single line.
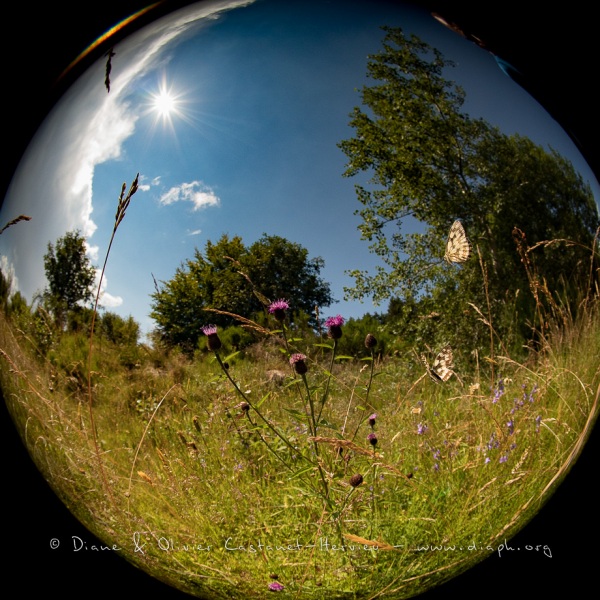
[[441, 369], [458, 247]]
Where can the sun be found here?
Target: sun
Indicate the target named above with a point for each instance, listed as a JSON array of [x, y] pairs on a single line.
[[166, 104]]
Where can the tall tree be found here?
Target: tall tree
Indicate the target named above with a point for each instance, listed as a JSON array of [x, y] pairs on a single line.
[[69, 273], [230, 277], [429, 163], [279, 268]]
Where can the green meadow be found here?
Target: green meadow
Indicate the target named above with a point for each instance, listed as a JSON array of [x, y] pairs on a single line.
[[233, 474]]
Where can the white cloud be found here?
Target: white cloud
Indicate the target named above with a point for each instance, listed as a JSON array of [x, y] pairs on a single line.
[[86, 128], [196, 192], [195, 232], [106, 300], [9, 274], [144, 187], [109, 301], [92, 252]]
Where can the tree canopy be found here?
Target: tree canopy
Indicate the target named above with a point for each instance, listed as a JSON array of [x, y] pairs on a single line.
[[430, 163], [69, 273], [236, 279]]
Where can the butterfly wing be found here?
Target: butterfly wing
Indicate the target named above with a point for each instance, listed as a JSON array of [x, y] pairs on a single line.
[[458, 247], [441, 369], [443, 364]]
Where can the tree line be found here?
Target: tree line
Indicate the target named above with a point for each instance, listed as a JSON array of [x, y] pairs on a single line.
[[428, 162]]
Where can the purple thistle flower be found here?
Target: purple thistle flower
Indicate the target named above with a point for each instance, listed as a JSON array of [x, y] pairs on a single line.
[[275, 586], [297, 361], [372, 419], [278, 308], [372, 439], [210, 331], [334, 325]]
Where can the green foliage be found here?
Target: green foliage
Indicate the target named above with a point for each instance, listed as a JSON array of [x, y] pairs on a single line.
[[69, 273], [4, 290], [18, 305], [118, 330], [430, 163], [279, 268], [232, 278], [452, 466], [43, 330], [79, 320], [236, 338], [355, 331]]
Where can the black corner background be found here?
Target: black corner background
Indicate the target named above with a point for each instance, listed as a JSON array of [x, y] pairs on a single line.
[[556, 49]]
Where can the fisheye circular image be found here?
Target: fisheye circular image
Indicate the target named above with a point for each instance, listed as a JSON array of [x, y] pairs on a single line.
[[300, 298]]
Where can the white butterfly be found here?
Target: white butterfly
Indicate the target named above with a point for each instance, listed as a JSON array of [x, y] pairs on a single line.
[[458, 247], [441, 369]]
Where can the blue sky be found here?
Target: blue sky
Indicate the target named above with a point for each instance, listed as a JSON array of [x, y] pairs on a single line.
[[262, 92]]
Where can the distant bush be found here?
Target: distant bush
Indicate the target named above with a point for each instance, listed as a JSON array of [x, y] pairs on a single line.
[[352, 343]]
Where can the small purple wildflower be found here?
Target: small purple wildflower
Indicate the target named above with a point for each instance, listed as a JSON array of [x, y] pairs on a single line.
[[278, 308], [493, 443], [421, 428], [275, 586], [533, 391], [487, 460], [372, 419], [210, 331], [511, 427], [503, 458], [334, 325], [538, 420], [297, 361], [499, 391], [372, 439]]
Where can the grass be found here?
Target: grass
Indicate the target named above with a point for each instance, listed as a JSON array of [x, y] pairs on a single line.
[[216, 500], [342, 479]]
